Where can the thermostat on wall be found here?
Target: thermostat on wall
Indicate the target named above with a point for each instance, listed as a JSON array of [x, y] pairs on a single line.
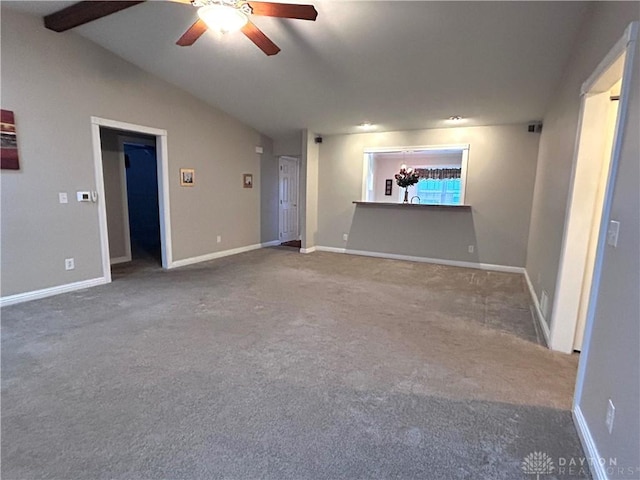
[[84, 196]]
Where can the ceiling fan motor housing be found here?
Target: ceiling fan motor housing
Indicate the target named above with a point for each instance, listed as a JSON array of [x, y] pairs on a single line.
[[243, 6]]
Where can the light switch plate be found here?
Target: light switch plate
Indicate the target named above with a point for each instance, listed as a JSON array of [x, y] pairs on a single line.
[[83, 196], [62, 197], [611, 415], [612, 233]]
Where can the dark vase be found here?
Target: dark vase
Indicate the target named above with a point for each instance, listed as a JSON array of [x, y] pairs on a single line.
[[406, 196]]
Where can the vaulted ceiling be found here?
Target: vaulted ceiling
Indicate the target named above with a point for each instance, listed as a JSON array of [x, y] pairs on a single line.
[[401, 65]]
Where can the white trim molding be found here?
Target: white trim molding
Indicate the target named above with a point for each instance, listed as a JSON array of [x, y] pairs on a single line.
[[117, 260], [70, 287], [224, 253], [272, 243], [51, 291], [309, 250], [331, 249], [598, 471], [618, 63], [163, 187], [410, 258], [629, 37], [542, 322]]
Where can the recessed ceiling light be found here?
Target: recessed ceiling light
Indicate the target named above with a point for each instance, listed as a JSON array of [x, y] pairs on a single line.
[[367, 126], [455, 118]]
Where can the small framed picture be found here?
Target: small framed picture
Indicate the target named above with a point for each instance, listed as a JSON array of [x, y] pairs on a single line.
[[247, 180], [9, 150], [187, 177], [388, 186]]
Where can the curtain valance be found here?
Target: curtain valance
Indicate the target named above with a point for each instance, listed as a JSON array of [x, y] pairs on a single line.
[[439, 173]]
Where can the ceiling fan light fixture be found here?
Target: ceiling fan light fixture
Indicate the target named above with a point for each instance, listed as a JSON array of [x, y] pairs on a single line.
[[222, 18], [367, 126]]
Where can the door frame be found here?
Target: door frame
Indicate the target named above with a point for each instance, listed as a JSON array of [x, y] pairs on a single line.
[[122, 140], [163, 187], [627, 46], [297, 162], [576, 233]]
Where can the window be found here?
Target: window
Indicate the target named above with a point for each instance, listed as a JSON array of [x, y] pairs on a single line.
[[442, 172]]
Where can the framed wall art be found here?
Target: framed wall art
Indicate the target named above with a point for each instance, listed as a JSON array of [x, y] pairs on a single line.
[[9, 150], [388, 186], [187, 177], [247, 180]]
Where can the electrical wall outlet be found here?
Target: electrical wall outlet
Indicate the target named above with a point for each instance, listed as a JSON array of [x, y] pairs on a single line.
[[219, 238], [544, 304], [612, 233], [611, 413], [69, 264], [345, 236], [471, 248], [62, 197]]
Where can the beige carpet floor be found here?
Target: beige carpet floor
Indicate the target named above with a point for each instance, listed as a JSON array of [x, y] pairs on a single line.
[[273, 364]]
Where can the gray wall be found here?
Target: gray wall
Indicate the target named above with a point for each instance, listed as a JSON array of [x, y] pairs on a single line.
[[613, 355], [500, 179], [602, 29], [114, 200], [288, 145], [54, 83], [309, 189], [269, 195]]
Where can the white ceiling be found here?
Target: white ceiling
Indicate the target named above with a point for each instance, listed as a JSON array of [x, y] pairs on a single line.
[[402, 65]]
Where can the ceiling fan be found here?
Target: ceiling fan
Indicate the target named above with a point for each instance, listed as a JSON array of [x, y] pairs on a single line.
[[221, 15]]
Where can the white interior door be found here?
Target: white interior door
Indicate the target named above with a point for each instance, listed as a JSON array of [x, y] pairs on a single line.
[[288, 202]]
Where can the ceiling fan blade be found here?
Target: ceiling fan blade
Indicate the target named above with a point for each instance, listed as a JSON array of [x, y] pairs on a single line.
[[84, 12], [194, 32], [284, 10], [260, 39]]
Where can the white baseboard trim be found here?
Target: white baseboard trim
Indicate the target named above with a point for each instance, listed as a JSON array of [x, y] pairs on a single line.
[[272, 243], [308, 250], [212, 256], [331, 249], [51, 291], [438, 261], [536, 303], [70, 287], [116, 260], [598, 471]]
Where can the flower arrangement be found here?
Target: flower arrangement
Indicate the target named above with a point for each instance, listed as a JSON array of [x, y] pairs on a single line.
[[406, 177]]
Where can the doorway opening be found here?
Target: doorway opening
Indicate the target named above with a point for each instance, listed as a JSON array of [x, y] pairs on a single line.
[[288, 211], [138, 188], [130, 172], [132, 181], [587, 226], [442, 172]]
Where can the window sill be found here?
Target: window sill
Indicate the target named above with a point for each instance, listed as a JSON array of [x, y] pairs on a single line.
[[413, 205]]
